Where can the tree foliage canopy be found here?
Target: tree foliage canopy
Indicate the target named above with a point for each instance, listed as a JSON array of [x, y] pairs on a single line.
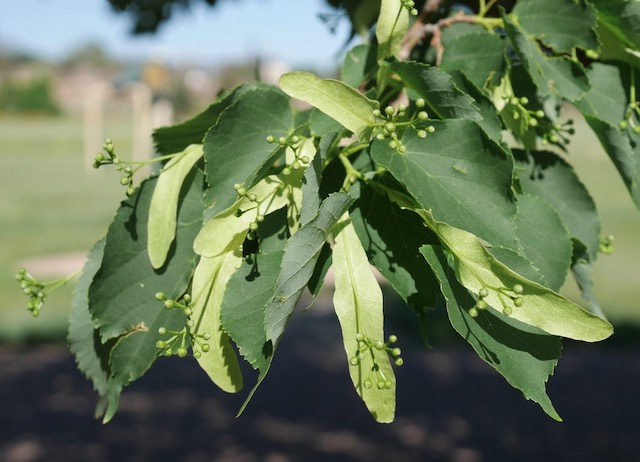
[[437, 158]]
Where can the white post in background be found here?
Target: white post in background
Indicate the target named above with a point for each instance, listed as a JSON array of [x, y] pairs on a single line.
[[93, 100], [142, 145]]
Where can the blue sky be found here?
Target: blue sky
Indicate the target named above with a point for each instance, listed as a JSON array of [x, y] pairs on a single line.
[[287, 30]]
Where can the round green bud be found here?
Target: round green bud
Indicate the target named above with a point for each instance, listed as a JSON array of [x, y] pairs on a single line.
[[399, 362], [197, 354], [483, 293], [367, 383], [376, 113], [515, 115], [380, 384], [206, 347], [169, 304], [237, 186], [623, 124], [295, 165], [380, 137], [414, 12], [252, 197], [420, 103], [253, 226], [130, 191], [514, 101], [402, 108], [188, 312], [539, 113], [518, 289], [533, 122], [362, 356], [636, 129], [422, 134], [206, 336], [295, 139], [396, 352], [99, 157], [160, 296], [402, 148], [271, 139], [393, 144], [473, 312], [259, 218], [116, 161], [242, 191], [481, 305], [390, 127], [160, 344], [186, 298], [393, 338], [182, 352], [518, 301], [124, 180], [359, 337], [423, 115], [354, 361], [168, 352], [190, 323], [304, 159], [507, 311], [524, 100], [286, 171], [431, 129], [282, 141], [379, 345], [389, 110], [162, 330], [387, 384]]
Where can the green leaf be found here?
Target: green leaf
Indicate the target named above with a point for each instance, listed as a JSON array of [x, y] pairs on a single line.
[[559, 24], [84, 340], [392, 25], [163, 210], [477, 269], [443, 98], [622, 18], [553, 76], [248, 292], [359, 63], [122, 294], [524, 356], [236, 150], [298, 264], [178, 137], [209, 282], [358, 304], [479, 56], [336, 99], [458, 173], [544, 239], [391, 238], [547, 175]]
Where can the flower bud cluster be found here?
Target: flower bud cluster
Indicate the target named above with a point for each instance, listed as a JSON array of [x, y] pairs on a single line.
[[392, 121], [109, 156], [34, 289], [179, 342], [366, 347], [606, 244], [507, 296], [294, 142], [183, 303], [631, 120], [559, 134], [519, 111], [410, 5]]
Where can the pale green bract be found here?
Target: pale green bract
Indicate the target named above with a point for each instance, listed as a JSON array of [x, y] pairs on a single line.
[[391, 28], [209, 282], [163, 210], [476, 269], [336, 99], [358, 305]]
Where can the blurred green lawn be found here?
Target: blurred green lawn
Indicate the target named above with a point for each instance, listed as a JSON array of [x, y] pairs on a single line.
[[52, 202]]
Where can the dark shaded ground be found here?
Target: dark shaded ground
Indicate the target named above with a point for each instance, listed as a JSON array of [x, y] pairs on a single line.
[[451, 407]]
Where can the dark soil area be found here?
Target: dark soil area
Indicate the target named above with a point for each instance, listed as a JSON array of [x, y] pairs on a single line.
[[451, 407]]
